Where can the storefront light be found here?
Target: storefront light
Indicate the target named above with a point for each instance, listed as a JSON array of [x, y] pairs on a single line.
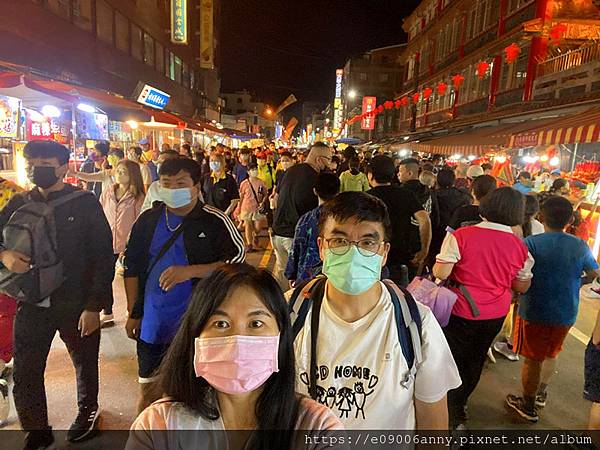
[[132, 124], [406, 138], [86, 108], [528, 159], [544, 158], [14, 103], [456, 156], [35, 115], [51, 111], [471, 158], [500, 159], [555, 161]]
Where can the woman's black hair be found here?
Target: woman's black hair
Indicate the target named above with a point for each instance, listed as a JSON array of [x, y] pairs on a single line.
[[532, 207], [446, 178], [483, 185], [558, 184], [252, 166], [504, 205], [278, 404]]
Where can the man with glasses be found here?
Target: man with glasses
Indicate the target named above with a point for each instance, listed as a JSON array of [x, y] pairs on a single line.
[[296, 198], [360, 371]]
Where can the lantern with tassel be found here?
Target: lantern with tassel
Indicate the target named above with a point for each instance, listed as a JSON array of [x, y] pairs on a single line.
[[404, 101], [398, 104], [416, 96], [427, 93], [512, 53], [388, 104], [458, 80], [482, 69], [441, 88], [380, 109]]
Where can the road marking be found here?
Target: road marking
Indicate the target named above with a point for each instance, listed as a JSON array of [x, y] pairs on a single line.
[[266, 258], [581, 337]]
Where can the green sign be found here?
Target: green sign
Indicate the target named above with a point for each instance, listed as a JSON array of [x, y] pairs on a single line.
[[179, 31]]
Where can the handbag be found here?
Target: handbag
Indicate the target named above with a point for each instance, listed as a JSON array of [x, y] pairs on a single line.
[[262, 207], [438, 298]]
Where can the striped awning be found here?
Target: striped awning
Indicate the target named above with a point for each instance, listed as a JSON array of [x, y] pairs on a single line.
[[580, 128]]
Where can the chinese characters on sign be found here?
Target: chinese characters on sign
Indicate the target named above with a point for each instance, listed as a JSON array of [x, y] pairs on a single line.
[[337, 103], [207, 57], [369, 104], [47, 128], [179, 31]]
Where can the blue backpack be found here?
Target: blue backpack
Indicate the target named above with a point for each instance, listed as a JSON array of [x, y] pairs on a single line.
[[406, 313]]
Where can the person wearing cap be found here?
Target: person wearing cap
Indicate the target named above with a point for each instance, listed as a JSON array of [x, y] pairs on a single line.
[[473, 172], [523, 184]]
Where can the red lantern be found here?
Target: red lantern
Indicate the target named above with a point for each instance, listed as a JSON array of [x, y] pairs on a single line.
[[441, 88], [482, 69], [389, 104], [427, 93], [404, 101], [398, 104], [458, 80], [380, 109], [416, 96], [557, 32], [512, 53]]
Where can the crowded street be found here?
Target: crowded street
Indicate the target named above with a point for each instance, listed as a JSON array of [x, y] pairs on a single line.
[[265, 225]]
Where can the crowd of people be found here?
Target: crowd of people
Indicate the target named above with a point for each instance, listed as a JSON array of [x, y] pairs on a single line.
[[222, 345]]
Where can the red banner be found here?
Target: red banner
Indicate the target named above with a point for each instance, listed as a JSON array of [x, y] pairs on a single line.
[[369, 104]]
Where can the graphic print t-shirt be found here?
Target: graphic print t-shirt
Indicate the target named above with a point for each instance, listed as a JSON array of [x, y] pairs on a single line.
[[361, 367]]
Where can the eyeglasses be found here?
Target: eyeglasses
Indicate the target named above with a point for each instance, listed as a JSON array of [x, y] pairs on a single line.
[[366, 247]]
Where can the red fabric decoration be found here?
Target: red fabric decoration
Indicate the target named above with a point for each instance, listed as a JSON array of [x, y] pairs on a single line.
[[482, 69], [512, 53], [458, 80], [427, 93], [404, 101], [380, 108], [557, 32], [441, 88], [416, 96], [398, 104], [389, 104]]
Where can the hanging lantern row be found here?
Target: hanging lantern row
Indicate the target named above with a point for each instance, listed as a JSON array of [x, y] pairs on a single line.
[[512, 53], [482, 69]]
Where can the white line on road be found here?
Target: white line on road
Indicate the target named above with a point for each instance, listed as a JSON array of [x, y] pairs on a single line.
[[581, 337]]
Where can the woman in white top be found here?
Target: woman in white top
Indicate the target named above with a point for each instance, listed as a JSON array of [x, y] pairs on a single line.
[[231, 367]]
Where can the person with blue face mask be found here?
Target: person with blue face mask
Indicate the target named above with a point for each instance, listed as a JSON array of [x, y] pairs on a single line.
[[171, 247], [219, 188], [352, 341]]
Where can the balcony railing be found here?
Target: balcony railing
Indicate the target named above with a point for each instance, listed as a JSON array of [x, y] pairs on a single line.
[[574, 58]]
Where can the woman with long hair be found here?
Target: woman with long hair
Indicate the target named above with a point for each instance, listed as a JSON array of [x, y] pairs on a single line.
[[122, 204], [231, 367]]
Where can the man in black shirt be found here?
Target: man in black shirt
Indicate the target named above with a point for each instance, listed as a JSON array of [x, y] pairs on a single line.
[[408, 175], [296, 198], [219, 187], [403, 207], [469, 214], [95, 164], [84, 245]]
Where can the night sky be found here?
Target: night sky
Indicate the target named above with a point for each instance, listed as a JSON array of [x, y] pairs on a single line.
[[276, 47]]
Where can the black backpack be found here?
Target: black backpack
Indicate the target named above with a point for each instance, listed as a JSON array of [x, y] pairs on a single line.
[[406, 313], [31, 231]]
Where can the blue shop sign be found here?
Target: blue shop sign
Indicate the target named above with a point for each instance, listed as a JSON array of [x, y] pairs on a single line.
[[150, 96]]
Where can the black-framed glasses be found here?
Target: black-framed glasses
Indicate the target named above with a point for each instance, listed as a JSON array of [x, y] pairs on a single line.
[[366, 247]]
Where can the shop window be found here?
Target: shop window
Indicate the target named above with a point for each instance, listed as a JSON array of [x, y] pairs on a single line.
[[171, 66], [82, 14], [178, 66], [160, 58], [239, 101], [61, 8], [122, 32], [185, 75], [104, 21], [148, 49], [362, 76], [137, 48], [384, 77]]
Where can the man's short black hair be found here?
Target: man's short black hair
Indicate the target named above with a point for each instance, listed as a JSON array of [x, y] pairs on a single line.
[[358, 206], [119, 153], [170, 153], [382, 168], [349, 152], [103, 148], [504, 205], [446, 178], [327, 185], [172, 167], [557, 212], [483, 185], [525, 174], [138, 151], [47, 149], [408, 161], [286, 153], [486, 166]]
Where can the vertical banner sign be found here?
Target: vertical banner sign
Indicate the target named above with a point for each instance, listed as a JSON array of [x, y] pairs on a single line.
[[179, 31], [207, 52], [337, 103], [368, 105]]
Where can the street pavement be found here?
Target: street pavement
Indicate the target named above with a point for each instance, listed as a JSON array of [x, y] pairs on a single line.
[[565, 408]]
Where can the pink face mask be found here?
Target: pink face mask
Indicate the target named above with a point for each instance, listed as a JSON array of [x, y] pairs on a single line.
[[236, 364]]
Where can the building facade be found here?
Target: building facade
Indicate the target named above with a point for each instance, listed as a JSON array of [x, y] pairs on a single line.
[[113, 45], [496, 57], [244, 113]]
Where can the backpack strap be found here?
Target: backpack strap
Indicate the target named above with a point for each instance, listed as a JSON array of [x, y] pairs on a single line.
[[304, 292], [67, 198], [409, 326]]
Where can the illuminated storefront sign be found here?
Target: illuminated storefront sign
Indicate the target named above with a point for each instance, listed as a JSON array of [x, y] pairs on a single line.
[[46, 128], [207, 52], [9, 116], [179, 31], [150, 96], [337, 102], [368, 105]]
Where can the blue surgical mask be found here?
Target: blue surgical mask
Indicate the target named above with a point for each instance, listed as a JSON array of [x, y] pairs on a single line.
[[176, 198], [215, 166], [352, 273]]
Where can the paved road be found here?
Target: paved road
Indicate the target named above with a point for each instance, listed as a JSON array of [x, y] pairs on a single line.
[[119, 389]]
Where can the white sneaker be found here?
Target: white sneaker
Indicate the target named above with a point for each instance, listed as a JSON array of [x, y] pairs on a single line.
[[4, 401], [504, 350]]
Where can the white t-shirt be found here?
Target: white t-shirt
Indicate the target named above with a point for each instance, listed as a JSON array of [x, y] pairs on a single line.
[[537, 227], [146, 174], [361, 367]]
